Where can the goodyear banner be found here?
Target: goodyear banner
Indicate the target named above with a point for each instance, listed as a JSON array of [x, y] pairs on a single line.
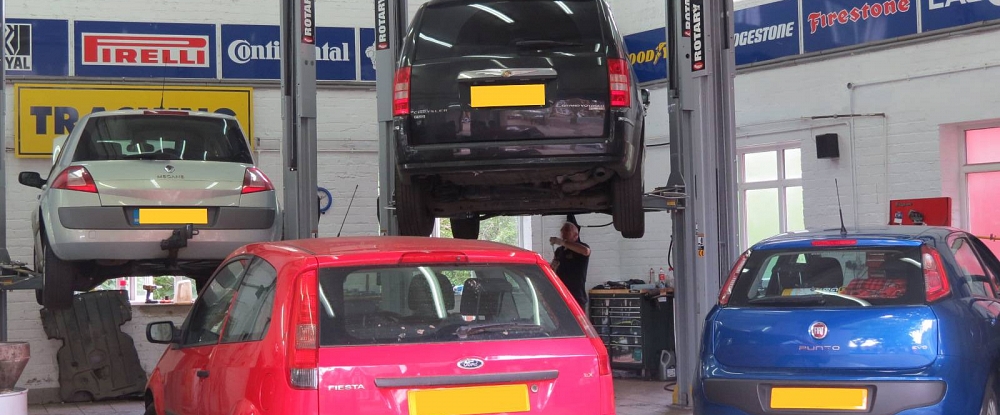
[[767, 32], [943, 14], [647, 51], [44, 111]]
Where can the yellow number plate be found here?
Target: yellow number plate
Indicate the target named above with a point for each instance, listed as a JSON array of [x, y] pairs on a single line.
[[173, 216], [508, 96], [850, 399], [468, 401]]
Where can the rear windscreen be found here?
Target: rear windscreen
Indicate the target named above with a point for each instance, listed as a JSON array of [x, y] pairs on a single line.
[[427, 304], [508, 27], [162, 137], [834, 277]]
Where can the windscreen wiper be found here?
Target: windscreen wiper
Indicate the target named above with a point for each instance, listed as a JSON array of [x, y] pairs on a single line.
[[473, 329], [789, 300], [148, 156], [545, 44], [844, 296]]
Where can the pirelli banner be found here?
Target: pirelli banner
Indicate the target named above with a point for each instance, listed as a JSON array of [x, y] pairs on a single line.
[[45, 111]]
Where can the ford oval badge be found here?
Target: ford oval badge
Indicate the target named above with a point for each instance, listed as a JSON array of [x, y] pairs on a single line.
[[470, 363]]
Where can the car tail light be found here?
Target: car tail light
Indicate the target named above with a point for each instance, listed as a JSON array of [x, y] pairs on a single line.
[[75, 178], [835, 242], [603, 362], [401, 92], [433, 258], [727, 289], [303, 336], [618, 83], [255, 181], [935, 277]]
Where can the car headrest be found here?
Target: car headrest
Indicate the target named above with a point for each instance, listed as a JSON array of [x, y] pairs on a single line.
[[823, 272], [140, 147], [483, 297], [447, 291], [420, 300], [109, 149]]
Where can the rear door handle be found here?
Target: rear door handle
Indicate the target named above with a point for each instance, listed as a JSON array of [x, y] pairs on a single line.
[[202, 374]]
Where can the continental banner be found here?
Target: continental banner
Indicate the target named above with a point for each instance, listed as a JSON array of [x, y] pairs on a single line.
[[45, 111]]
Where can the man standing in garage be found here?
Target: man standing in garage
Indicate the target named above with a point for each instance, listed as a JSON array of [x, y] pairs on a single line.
[[571, 260]]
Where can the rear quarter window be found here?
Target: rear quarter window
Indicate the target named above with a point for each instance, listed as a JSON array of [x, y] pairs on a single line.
[[811, 277], [432, 304], [458, 29]]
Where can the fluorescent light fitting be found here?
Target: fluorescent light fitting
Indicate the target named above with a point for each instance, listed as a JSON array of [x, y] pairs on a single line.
[[494, 12], [564, 7], [433, 40]]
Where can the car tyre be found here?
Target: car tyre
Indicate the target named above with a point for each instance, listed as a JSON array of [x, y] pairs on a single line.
[[627, 212], [150, 409], [990, 405], [411, 212], [465, 228], [58, 278]]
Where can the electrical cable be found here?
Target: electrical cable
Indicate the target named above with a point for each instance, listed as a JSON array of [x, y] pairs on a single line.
[[658, 145], [598, 226], [670, 251]]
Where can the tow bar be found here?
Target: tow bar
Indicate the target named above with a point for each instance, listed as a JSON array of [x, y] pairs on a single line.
[[178, 239]]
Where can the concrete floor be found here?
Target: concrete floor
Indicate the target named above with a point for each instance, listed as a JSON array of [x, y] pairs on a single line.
[[632, 397]]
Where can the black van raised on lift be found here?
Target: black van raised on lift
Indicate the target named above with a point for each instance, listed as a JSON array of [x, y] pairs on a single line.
[[516, 107]]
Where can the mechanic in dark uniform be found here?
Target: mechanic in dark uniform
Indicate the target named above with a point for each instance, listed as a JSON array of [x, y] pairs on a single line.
[[571, 260]]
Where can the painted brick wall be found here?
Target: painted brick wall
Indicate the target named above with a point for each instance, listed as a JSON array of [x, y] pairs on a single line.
[[919, 88]]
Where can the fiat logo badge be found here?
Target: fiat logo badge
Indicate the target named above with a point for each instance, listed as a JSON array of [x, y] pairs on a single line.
[[506, 74], [819, 330], [169, 168], [470, 363]]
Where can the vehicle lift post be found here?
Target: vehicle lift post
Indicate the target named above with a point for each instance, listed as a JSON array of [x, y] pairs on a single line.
[[4, 255], [391, 20], [298, 114], [702, 163]]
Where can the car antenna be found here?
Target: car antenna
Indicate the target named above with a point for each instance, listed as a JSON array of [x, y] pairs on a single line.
[[840, 208], [348, 211], [163, 85]]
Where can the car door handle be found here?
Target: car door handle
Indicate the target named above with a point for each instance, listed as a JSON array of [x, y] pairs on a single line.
[[202, 374]]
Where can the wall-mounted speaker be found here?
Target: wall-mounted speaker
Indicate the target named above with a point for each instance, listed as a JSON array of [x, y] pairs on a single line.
[[827, 146]]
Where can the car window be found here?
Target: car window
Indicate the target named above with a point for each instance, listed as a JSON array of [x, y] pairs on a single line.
[[251, 313], [974, 275], [167, 137], [209, 312], [422, 305], [880, 276], [456, 29]]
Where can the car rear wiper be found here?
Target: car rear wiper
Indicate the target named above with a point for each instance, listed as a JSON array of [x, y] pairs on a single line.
[[148, 156], [545, 44], [844, 296], [466, 331], [789, 300]]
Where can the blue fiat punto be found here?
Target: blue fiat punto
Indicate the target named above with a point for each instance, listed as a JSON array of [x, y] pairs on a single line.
[[897, 320]]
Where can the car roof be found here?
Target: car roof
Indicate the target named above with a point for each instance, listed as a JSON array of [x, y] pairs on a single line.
[[165, 112], [887, 234], [393, 247]]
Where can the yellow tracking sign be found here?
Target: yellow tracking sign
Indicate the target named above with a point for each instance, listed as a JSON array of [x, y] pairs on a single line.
[[45, 111]]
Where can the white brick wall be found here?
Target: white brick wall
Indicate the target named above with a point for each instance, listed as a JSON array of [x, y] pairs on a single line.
[[919, 87]]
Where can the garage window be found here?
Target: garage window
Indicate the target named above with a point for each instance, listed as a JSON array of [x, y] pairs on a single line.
[[981, 173], [770, 193], [510, 230]]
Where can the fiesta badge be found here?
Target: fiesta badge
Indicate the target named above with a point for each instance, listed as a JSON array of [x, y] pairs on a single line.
[[470, 363], [819, 330]]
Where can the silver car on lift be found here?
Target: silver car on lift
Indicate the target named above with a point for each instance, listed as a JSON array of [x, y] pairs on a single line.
[[147, 192]]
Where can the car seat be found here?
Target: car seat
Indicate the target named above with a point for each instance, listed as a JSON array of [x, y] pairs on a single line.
[[483, 298], [784, 277], [420, 300], [823, 272]]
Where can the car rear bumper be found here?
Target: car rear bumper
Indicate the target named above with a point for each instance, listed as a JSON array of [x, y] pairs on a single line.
[[619, 152], [753, 396], [144, 244]]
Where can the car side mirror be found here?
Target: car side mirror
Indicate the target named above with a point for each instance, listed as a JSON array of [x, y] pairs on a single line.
[[162, 332], [645, 98], [31, 179]]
